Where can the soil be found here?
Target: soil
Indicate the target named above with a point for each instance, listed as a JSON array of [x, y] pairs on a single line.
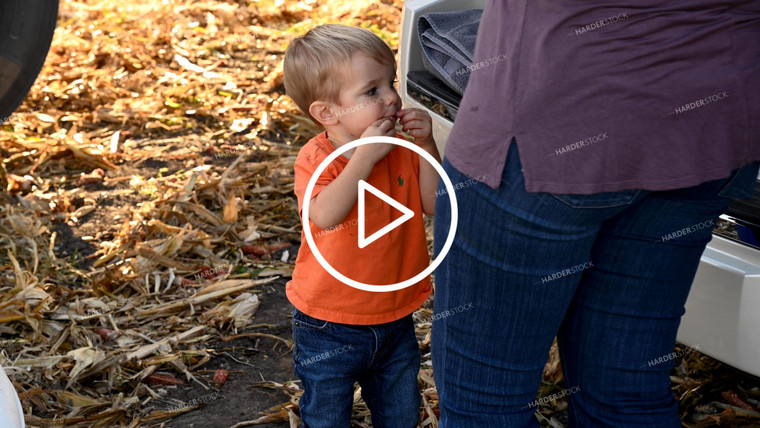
[[251, 361]]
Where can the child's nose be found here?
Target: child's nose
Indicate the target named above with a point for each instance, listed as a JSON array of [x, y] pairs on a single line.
[[392, 99]]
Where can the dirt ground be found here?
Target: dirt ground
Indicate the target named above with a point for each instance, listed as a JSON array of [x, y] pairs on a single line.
[[253, 363]]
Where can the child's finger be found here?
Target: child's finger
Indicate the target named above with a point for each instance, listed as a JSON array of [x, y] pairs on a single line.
[[413, 124], [388, 124], [407, 119], [405, 111], [402, 114], [413, 116], [418, 132], [387, 128]]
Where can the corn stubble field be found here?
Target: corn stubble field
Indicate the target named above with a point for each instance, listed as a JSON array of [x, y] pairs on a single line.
[[148, 225]]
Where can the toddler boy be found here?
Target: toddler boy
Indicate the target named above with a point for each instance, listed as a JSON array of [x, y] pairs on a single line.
[[343, 78]]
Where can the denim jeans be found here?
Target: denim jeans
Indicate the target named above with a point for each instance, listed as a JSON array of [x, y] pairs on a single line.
[[330, 357], [607, 274]]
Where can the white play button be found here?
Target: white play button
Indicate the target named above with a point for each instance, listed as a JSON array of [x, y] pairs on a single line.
[[406, 214], [369, 286]]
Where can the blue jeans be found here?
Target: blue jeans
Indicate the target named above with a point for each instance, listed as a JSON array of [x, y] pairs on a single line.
[[607, 274], [330, 357]]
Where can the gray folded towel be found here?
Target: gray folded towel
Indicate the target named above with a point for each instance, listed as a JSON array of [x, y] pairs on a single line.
[[448, 44]]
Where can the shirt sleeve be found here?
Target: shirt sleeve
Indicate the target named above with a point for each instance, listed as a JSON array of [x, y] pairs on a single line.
[[309, 158]]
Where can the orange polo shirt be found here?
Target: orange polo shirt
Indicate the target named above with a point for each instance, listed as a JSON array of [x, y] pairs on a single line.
[[396, 256]]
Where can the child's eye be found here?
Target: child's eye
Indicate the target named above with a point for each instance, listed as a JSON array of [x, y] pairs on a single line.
[[372, 92]]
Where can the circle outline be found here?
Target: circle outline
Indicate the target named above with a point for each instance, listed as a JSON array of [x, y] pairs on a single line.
[[376, 287]]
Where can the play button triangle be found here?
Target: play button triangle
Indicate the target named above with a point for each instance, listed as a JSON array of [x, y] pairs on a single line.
[[406, 214]]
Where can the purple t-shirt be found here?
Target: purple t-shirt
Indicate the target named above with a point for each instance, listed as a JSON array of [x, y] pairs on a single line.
[[604, 96]]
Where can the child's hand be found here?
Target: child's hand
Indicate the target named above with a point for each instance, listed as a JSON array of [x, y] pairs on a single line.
[[374, 152], [381, 127], [418, 124]]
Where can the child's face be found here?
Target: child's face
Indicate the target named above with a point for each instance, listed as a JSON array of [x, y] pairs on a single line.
[[367, 95]]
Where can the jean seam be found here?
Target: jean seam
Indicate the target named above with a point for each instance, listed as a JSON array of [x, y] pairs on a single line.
[[619, 204], [309, 325], [728, 189], [375, 347]]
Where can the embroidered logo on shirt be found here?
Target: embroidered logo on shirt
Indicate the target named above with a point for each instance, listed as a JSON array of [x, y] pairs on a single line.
[[400, 181]]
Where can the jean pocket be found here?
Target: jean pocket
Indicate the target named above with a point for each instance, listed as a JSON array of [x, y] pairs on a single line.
[[300, 319], [742, 184], [598, 200]]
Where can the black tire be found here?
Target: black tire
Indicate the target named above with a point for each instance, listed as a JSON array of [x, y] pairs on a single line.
[[26, 30]]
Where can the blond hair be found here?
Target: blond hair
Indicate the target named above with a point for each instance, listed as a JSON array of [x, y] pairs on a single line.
[[313, 65]]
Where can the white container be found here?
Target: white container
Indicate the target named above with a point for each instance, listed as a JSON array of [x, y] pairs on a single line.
[[722, 316], [11, 413]]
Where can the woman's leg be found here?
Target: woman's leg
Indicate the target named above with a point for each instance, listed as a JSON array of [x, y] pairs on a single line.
[[622, 323], [516, 261]]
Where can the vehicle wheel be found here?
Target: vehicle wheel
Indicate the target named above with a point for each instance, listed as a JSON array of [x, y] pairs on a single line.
[[26, 30]]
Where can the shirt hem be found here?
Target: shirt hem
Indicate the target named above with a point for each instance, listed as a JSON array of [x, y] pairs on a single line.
[[356, 319]]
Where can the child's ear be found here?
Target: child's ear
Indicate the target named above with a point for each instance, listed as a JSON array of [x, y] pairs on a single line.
[[321, 111]]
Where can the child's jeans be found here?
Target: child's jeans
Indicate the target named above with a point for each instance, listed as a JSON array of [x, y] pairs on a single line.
[[330, 357]]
